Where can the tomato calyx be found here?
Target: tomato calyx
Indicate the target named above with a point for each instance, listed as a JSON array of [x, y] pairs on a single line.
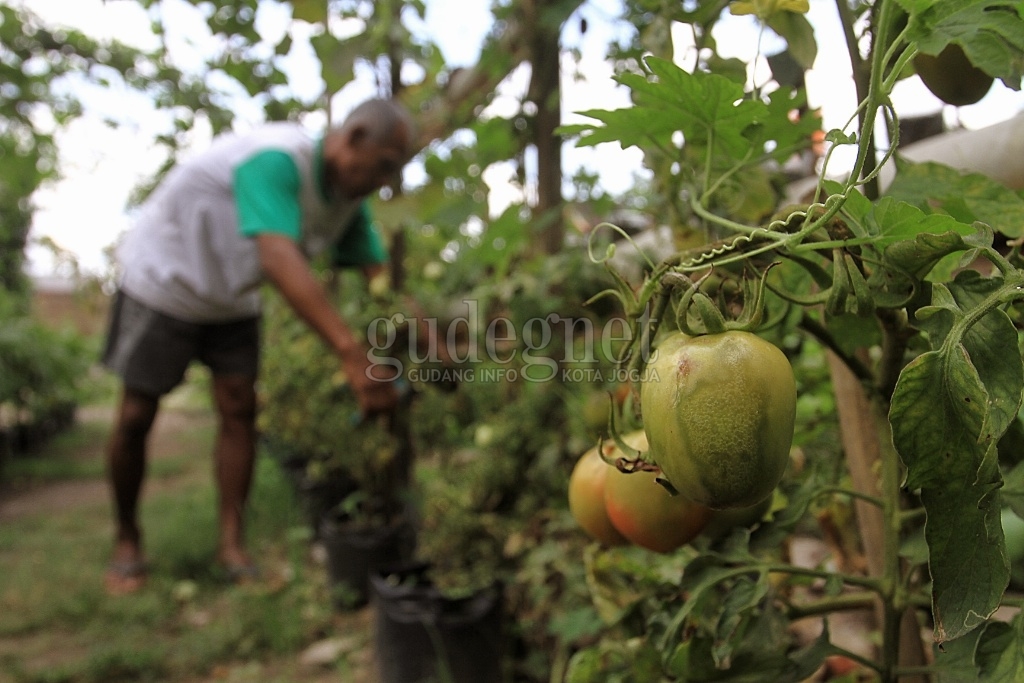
[[709, 319], [636, 462], [633, 465]]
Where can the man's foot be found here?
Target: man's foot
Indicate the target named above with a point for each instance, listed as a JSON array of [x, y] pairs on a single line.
[[237, 566], [128, 568], [124, 577]]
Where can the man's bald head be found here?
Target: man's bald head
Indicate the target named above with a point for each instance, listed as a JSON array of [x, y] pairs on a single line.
[[382, 121], [368, 148]]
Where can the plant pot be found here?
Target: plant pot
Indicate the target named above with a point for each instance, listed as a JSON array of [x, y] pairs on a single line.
[[421, 635], [319, 495], [355, 551]]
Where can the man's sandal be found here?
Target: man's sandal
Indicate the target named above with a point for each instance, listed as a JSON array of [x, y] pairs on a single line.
[[241, 574], [124, 577]]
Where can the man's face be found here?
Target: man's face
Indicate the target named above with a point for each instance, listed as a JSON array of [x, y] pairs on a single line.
[[355, 166]]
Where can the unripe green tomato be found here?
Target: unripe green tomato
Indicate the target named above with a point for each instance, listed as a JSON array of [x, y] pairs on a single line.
[[719, 412], [951, 77], [722, 522]]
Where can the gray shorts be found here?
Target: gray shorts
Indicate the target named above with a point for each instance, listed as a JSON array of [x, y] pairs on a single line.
[[151, 350]]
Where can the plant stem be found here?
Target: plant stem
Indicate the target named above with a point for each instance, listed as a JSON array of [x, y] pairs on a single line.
[[867, 582], [839, 490], [819, 332], [846, 601], [892, 595]]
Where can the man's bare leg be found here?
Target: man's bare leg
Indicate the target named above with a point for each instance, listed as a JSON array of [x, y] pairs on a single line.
[[234, 456], [126, 470]]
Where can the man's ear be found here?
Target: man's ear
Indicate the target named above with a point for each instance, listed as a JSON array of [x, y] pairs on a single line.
[[357, 135]]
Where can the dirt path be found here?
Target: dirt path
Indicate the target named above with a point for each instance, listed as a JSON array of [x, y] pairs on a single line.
[[177, 424], [20, 500]]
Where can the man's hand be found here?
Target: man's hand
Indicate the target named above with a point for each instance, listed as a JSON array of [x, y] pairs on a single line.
[[373, 386]]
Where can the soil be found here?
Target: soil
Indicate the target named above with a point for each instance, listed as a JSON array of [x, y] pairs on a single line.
[[18, 500]]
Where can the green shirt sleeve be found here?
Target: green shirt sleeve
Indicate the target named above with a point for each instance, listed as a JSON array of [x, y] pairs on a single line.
[[360, 243], [267, 195]]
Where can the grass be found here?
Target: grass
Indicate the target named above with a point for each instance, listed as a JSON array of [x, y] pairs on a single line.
[[58, 626]]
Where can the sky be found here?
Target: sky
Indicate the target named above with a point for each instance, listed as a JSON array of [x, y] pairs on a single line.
[[85, 212]]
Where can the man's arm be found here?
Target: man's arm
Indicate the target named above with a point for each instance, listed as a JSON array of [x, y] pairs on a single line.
[[287, 269]]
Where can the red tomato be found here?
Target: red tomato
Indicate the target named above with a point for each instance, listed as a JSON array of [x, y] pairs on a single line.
[[586, 497], [645, 513]]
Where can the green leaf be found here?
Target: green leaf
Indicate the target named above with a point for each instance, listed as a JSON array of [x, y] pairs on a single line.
[[777, 128], [337, 58], [954, 660], [913, 242], [764, 654], [920, 255], [1000, 653], [799, 35], [764, 9], [743, 596], [1012, 492], [703, 106], [987, 341], [991, 33], [948, 411], [313, 11], [967, 197], [576, 624], [893, 220], [701, 579]]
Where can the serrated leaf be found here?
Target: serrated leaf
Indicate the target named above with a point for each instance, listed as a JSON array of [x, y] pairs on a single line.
[[954, 660], [706, 103], [987, 341], [612, 594], [699, 105], [1000, 653], [937, 412], [777, 128], [948, 412], [892, 220], [967, 197], [920, 256], [743, 596], [967, 561], [700, 579], [764, 655], [991, 33]]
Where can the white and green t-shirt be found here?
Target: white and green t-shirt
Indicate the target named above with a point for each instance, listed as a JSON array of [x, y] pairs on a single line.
[[191, 253]]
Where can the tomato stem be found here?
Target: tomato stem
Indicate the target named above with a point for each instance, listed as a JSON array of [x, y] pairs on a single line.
[[894, 596], [839, 490]]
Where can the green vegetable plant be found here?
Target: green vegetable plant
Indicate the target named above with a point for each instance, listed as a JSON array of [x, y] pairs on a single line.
[[910, 301], [309, 416]]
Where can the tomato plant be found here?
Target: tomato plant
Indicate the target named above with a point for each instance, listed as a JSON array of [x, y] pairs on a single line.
[[909, 291], [718, 412]]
